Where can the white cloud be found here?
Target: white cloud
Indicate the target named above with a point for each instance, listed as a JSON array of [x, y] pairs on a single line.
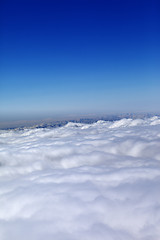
[[98, 181]]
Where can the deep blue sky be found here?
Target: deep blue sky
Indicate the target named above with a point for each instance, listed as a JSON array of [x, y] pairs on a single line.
[[79, 56]]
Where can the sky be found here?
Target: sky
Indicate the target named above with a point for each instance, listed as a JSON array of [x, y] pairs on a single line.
[[80, 56]]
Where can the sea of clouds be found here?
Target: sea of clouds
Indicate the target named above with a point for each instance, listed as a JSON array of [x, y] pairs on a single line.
[[97, 181]]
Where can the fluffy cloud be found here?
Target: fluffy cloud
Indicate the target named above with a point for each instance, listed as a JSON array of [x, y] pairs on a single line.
[[98, 181]]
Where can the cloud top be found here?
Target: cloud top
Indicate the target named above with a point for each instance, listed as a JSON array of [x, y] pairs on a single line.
[[81, 181]]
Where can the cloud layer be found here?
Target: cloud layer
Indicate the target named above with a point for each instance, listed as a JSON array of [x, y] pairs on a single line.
[[81, 182]]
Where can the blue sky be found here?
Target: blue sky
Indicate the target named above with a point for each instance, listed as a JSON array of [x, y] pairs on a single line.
[[79, 56]]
